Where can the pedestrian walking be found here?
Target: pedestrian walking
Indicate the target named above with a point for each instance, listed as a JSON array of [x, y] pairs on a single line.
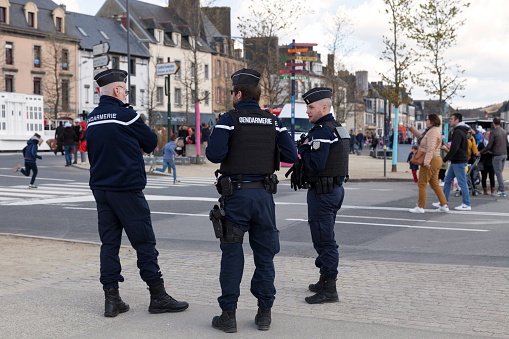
[[78, 130], [360, 139], [430, 142], [116, 138], [58, 138], [458, 155], [248, 142], [324, 154], [30, 155], [352, 141], [413, 167], [498, 148], [486, 164], [169, 155], [68, 139]]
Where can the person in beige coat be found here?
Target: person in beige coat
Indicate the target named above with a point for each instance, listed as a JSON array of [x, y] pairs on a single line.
[[429, 141]]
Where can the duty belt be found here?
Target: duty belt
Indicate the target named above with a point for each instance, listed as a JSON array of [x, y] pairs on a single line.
[[240, 185]]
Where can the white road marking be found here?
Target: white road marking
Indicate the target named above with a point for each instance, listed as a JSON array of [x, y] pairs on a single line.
[[403, 226]]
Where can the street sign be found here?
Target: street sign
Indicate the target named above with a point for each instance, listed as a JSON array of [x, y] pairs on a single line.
[[295, 64], [297, 50], [306, 58], [303, 45], [101, 48], [295, 77], [102, 60], [293, 71], [167, 68]]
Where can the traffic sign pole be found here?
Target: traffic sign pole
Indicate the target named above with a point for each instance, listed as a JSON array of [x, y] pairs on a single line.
[[168, 93], [293, 100]]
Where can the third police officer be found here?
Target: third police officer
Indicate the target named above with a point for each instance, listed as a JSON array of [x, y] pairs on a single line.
[[248, 142], [324, 155]]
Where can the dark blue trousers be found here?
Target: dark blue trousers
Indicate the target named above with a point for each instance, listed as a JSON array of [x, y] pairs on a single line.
[[251, 210], [127, 211], [322, 210], [26, 172]]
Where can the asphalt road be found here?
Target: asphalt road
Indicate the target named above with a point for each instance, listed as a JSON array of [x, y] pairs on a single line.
[[374, 223]]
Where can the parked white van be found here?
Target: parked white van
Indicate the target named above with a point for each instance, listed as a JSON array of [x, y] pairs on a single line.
[[302, 124]]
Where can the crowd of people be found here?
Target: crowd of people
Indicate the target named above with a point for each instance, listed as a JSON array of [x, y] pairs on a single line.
[[469, 152]]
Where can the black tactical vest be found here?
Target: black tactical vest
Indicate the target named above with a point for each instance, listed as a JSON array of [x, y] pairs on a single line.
[[337, 161], [252, 146]]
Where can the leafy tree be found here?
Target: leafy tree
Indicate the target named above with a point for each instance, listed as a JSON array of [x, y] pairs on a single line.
[[401, 58], [435, 28]]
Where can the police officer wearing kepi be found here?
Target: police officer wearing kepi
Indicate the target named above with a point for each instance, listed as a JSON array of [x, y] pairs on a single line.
[[116, 138], [249, 143], [324, 154]]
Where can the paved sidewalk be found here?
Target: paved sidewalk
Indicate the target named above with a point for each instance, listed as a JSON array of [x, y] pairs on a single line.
[[377, 299]]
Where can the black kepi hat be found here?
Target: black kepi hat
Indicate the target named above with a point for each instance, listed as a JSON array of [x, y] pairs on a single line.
[[246, 76], [110, 75], [317, 93]]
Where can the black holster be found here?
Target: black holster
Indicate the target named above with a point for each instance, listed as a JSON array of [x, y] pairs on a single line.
[[232, 234], [216, 215], [270, 182]]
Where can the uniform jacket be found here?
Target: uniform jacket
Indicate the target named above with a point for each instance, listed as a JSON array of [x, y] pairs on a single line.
[[31, 150], [317, 159], [497, 144], [217, 148], [115, 137], [458, 153]]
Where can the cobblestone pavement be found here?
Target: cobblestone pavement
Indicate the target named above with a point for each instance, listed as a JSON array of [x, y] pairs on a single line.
[[444, 298]]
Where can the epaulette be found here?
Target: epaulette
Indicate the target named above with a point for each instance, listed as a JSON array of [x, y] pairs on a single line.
[[127, 105]]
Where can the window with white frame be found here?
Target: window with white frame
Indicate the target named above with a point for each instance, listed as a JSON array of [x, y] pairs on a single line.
[[159, 95], [207, 94], [178, 96]]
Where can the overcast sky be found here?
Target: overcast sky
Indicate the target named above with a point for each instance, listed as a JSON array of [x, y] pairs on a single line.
[[482, 49]]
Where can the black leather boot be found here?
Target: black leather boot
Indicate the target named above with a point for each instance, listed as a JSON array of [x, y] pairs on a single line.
[[263, 319], [328, 294], [113, 304], [161, 302], [318, 286], [225, 322]]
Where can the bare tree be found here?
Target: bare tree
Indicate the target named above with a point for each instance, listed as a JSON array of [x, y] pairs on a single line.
[[435, 28], [269, 19], [57, 86], [340, 32]]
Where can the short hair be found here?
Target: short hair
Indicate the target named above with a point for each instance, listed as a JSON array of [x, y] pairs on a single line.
[[249, 92], [496, 121], [434, 119], [173, 137], [37, 135], [458, 117]]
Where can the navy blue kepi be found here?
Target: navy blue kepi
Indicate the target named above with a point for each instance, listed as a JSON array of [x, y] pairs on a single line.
[[316, 94], [246, 76], [110, 75]]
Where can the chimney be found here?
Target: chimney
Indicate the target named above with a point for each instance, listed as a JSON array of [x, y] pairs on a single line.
[[63, 7], [123, 20]]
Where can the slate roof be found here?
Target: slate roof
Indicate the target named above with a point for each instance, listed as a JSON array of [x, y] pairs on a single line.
[[44, 18], [91, 25], [152, 17]]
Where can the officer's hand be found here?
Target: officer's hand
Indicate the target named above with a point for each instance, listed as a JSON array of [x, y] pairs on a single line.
[[305, 142]]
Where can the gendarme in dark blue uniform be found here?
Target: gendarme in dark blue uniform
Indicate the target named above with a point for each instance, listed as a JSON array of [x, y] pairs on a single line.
[[116, 137], [325, 158], [246, 141]]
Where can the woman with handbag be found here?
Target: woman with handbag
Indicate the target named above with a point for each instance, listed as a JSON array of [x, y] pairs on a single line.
[[428, 155]]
